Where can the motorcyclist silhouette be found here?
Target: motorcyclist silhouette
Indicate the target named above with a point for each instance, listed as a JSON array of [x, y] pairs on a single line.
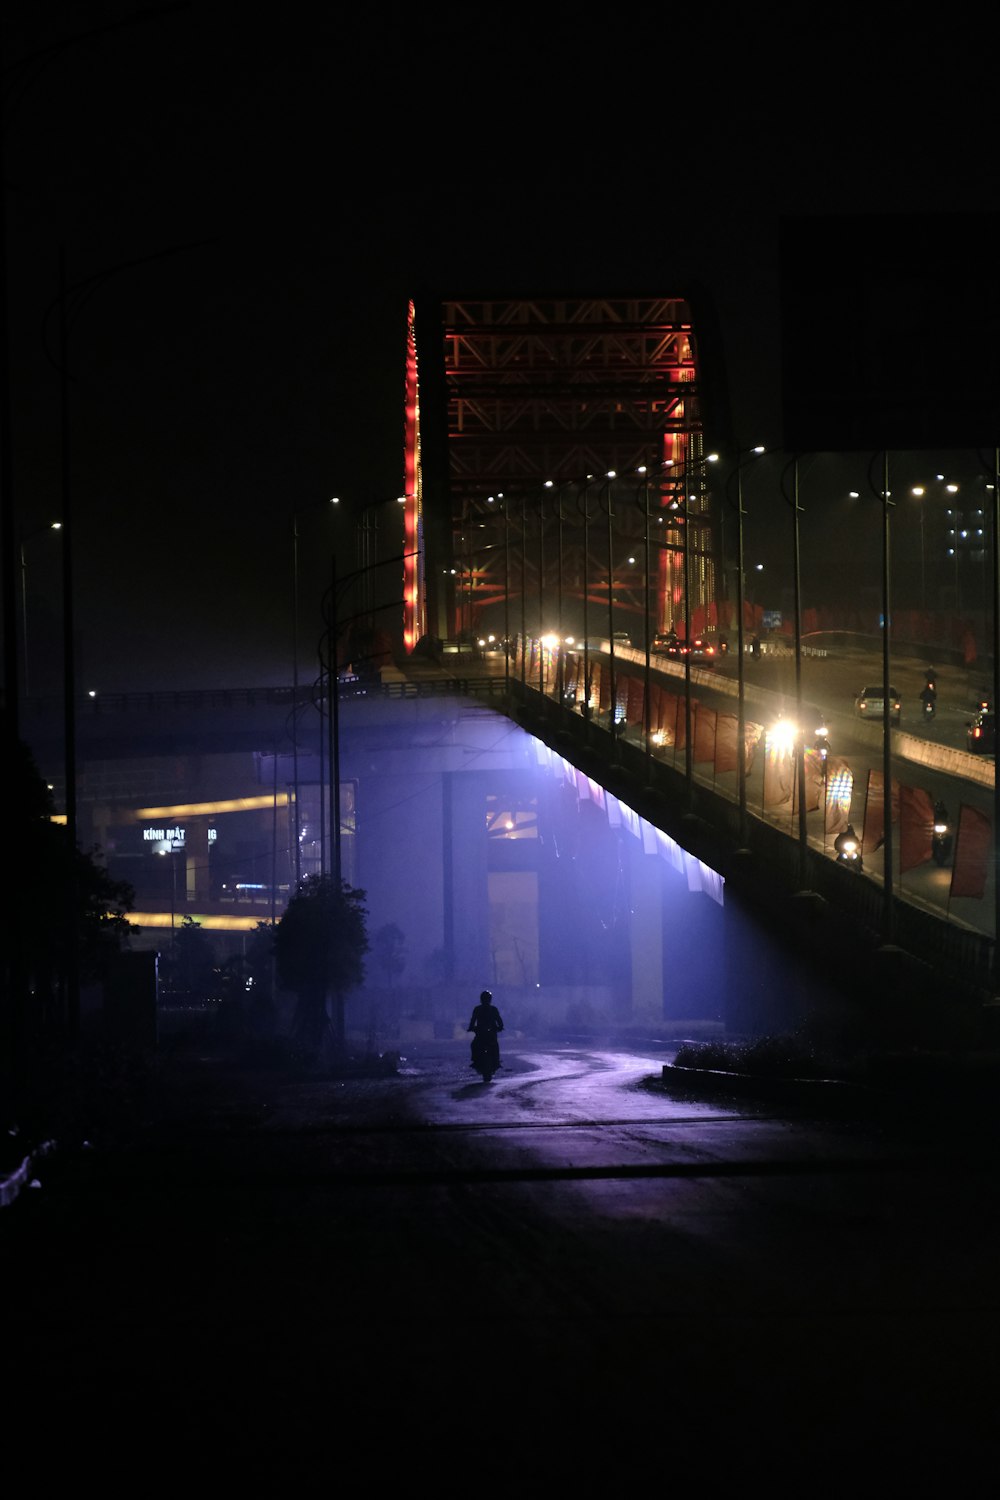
[[928, 697], [485, 1024]]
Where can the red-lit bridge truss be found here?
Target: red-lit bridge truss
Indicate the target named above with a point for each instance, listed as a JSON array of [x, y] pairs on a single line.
[[545, 399]]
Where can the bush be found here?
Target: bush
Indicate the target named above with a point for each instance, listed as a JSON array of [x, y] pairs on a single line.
[[791, 1056]]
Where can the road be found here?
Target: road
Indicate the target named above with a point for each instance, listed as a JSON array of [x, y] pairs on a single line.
[[565, 1276], [831, 680]]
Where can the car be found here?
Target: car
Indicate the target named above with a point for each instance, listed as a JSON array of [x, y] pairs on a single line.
[[620, 638], [868, 703], [700, 650], [980, 735]]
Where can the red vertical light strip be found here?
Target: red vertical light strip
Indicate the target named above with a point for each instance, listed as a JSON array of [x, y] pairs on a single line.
[[414, 607], [670, 603]]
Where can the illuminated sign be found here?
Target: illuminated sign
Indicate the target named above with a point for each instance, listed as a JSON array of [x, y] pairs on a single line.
[[172, 838]]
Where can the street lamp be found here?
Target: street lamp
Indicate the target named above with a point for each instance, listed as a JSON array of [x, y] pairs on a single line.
[[366, 546], [52, 526], [883, 495], [994, 529], [584, 509], [800, 766], [919, 493], [744, 457], [753, 598], [331, 613], [334, 500], [560, 631]]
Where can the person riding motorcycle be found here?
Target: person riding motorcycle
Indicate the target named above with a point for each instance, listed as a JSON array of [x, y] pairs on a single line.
[[928, 697], [942, 838], [485, 1024]]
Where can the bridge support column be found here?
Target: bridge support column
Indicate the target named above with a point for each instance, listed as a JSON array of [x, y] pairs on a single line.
[[645, 935], [197, 888]]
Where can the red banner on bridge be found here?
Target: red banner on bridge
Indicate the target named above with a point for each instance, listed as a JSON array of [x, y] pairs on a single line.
[[916, 827], [726, 731], [703, 748], [973, 849]]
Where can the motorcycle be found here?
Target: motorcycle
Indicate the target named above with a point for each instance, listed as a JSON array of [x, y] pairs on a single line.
[[941, 841], [485, 1056], [930, 704], [848, 847]]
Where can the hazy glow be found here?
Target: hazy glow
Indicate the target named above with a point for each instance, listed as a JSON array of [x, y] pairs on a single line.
[[783, 736], [200, 809], [214, 924]]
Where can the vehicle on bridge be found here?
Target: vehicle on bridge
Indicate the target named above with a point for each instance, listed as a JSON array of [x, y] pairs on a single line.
[[869, 703], [699, 650], [980, 735]]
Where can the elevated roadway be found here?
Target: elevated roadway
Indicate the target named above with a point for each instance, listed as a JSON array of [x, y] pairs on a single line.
[[758, 854]]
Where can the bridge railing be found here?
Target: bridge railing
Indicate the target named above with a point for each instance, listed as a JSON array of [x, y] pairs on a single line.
[[760, 859]]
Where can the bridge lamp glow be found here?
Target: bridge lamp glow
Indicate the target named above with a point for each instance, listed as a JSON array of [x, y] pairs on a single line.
[[783, 737]]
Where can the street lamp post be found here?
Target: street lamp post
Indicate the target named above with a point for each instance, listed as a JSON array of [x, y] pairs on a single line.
[[613, 686], [995, 540], [686, 512], [541, 596], [883, 496], [919, 493], [523, 590], [52, 526], [506, 596], [741, 725], [800, 764], [560, 648], [334, 500], [584, 509], [647, 639], [331, 668]]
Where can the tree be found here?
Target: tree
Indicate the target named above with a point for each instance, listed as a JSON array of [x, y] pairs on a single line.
[[388, 946], [63, 911], [260, 974], [192, 959], [319, 946]]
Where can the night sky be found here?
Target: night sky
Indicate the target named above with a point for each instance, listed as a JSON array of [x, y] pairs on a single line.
[[245, 202]]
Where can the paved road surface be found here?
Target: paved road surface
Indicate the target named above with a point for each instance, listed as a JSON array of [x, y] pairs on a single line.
[[565, 1277]]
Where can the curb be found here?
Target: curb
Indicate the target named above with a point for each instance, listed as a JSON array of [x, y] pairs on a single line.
[[22, 1177], [826, 1094]]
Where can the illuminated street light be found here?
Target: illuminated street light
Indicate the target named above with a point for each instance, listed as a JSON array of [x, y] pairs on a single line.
[[919, 492], [584, 509], [744, 457], [333, 500], [41, 530]]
